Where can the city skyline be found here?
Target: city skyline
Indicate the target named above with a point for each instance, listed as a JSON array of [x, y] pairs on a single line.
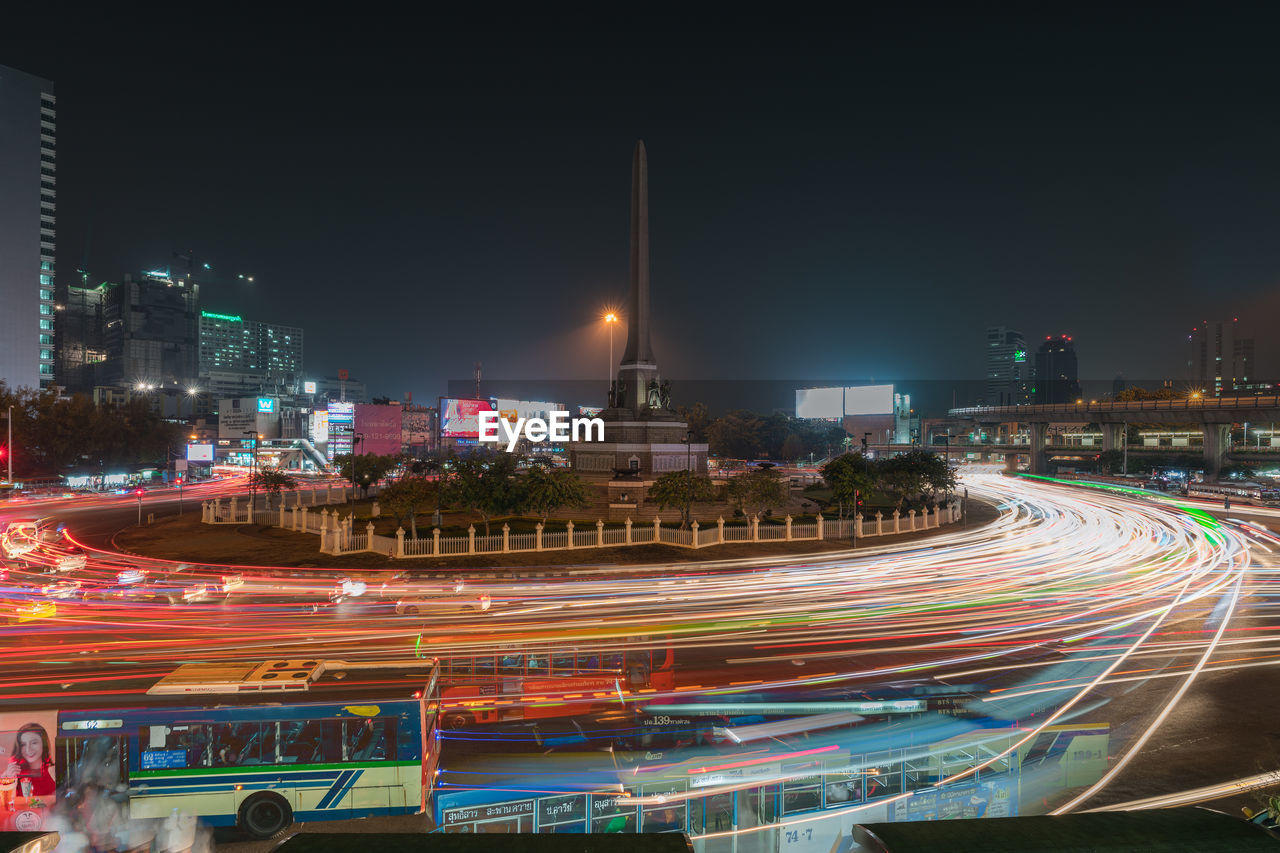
[[994, 198]]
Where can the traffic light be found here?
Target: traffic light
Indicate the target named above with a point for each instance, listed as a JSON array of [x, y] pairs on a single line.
[[179, 479], [857, 497], [138, 492]]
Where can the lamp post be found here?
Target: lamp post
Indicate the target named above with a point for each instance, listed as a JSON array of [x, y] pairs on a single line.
[[1124, 437], [688, 473], [610, 320], [9, 447], [253, 470], [357, 438]]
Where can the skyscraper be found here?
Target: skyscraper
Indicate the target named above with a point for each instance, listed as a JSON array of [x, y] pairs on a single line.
[[149, 330], [1057, 374], [239, 356], [27, 205], [1221, 359], [1008, 368]]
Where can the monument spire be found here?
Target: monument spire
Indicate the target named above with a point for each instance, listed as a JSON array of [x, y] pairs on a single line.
[[638, 350]]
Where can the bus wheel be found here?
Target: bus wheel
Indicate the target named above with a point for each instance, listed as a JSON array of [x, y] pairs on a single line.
[[458, 720], [264, 815]]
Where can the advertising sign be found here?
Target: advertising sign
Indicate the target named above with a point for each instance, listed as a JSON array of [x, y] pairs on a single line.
[[381, 427], [868, 400], [28, 773], [308, 387], [200, 453], [590, 411], [461, 418], [820, 403], [342, 428], [266, 405]]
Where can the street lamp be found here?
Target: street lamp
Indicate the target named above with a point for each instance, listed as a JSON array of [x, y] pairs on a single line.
[[253, 470], [356, 438], [610, 320], [688, 473]]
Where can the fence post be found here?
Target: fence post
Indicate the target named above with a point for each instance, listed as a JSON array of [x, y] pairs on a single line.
[[232, 501], [859, 530], [720, 530], [313, 495], [399, 541], [569, 527], [897, 521], [911, 518], [819, 527], [627, 524], [293, 517], [506, 538], [303, 525], [375, 510], [281, 524], [755, 529], [694, 527], [599, 533], [657, 530], [538, 537], [328, 494], [369, 530], [471, 539], [788, 520], [435, 542], [879, 523]]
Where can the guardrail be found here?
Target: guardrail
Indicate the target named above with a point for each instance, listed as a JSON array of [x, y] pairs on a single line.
[[1188, 405]]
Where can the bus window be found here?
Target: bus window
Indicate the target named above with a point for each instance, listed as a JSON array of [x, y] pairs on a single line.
[[711, 814], [164, 747], [484, 665], [100, 760], [883, 781], [371, 739], [638, 668], [511, 664], [460, 666], [803, 793], [562, 663], [244, 744], [539, 663], [589, 662], [613, 661], [310, 741]]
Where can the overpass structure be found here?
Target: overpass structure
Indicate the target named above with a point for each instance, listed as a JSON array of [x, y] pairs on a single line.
[[1214, 416]]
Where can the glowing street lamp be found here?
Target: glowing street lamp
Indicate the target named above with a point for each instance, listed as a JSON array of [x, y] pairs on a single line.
[[611, 320]]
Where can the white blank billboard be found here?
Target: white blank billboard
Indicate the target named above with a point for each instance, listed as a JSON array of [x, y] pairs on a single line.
[[868, 400], [820, 403], [200, 452]]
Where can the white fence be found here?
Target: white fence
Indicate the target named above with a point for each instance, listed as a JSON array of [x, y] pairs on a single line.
[[337, 535]]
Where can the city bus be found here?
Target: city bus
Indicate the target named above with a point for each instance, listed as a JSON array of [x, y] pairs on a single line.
[[256, 746], [1250, 493], [538, 681], [801, 795]]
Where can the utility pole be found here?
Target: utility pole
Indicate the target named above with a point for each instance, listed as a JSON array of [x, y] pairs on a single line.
[[9, 447], [1124, 437], [688, 473]]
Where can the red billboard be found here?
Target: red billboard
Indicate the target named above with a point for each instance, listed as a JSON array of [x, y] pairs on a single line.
[[380, 425], [461, 418]]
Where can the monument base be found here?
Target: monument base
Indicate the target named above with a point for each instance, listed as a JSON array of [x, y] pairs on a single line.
[[645, 448]]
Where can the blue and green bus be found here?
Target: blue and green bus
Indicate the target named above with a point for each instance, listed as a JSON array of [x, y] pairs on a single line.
[[259, 746]]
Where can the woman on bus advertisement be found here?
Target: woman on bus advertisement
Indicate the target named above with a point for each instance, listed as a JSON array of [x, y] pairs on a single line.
[[27, 772]]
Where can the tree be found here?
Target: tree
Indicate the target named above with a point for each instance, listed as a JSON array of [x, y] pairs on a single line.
[[758, 490], [847, 475], [1134, 394], [404, 496], [272, 481], [918, 472], [793, 447], [736, 435], [682, 489], [485, 483], [697, 419], [1111, 461], [369, 468], [548, 489]]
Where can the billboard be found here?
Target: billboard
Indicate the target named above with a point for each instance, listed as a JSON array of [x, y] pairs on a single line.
[[342, 427], [308, 387], [868, 400], [200, 453], [820, 403], [590, 411], [512, 410], [380, 425], [28, 759], [266, 405], [461, 418]]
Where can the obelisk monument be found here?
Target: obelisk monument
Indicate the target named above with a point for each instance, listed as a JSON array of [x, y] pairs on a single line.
[[643, 435]]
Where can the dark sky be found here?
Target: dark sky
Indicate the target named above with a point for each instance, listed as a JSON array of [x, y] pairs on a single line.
[[829, 197]]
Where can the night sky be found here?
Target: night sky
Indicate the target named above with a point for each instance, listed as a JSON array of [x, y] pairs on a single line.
[[853, 197]]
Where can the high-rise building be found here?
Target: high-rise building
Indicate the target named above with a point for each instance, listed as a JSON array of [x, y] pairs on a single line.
[[28, 199], [79, 344], [149, 331], [1057, 374], [1008, 368], [1222, 360], [233, 349]]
